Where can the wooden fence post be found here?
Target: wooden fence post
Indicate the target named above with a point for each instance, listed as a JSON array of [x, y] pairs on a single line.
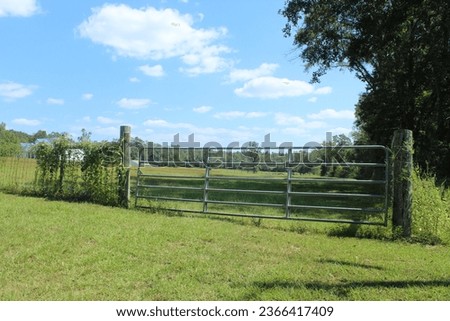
[[125, 138], [402, 149]]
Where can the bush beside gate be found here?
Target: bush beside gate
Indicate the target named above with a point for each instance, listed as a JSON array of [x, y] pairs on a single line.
[[89, 172]]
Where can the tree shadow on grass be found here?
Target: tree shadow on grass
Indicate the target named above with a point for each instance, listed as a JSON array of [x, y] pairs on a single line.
[[352, 264], [341, 290]]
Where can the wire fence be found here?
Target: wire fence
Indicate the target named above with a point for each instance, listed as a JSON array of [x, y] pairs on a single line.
[[17, 174], [66, 171]]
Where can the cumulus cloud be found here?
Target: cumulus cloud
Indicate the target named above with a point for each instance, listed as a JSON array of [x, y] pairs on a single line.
[[55, 101], [239, 114], [134, 103], [295, 123], [26, 122], [272, 88], [288, 120], [106, 120], [152, 71], [207, 61], [202, 109], [105, 131], [164, 131], [333, 114], [264, 69], [150, 33], [12, 91], [165, 124], [19, 8], [323, 90], [340, 130], [269, 87], [87, 96]]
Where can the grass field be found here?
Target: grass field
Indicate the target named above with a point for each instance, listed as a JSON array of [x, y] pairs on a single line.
[[53, 250]]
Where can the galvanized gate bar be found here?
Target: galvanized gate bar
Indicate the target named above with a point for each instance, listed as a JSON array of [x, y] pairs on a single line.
[[343, 181], [147, 191], [337, 194], [288, 205]]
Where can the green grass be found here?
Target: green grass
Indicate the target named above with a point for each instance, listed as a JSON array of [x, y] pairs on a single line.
[[16, 173], [53, 250]]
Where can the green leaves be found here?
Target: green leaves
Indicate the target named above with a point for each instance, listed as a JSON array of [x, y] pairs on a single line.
[[84, 171], [400, 49]]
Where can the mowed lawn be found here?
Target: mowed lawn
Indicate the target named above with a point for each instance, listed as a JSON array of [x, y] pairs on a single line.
[[66, 251]]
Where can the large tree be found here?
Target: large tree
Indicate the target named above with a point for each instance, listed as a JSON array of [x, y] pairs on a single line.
[[400, 49]]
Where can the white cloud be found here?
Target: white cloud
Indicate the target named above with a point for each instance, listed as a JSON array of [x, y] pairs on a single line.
[[134, 79], [106, 120], [272, 88], [340, 130], [256, 114], [315, 124], [239, 114], [11, 90], [286, 120], [106, 131], [312, 99], [206, 61], [323, 90], [20, 8], [230, 115], [156, 123], [87, 96], [247, 74], [295, 125], [165, 124], [152, 71], [134, 103], [333, 114], [26, 122], [149, 33], [268, 87], [55, 101], [202, 109], [164, 131]]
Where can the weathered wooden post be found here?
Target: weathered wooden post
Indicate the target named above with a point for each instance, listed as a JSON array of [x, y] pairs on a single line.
[[402, 151], [125, 138]]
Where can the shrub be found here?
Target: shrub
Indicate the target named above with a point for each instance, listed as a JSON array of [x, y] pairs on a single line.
[[90, 172]]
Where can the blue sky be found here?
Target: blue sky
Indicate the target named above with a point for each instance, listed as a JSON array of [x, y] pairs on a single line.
[[221, 70]]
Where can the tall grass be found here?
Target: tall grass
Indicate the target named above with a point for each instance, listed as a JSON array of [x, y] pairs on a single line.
[[431, 210]]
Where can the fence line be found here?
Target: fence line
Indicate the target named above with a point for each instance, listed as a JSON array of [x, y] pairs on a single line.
[[295, 197], [17, 173]]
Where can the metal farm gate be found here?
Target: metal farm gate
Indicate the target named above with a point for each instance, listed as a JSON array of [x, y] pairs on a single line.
[[340, 184]]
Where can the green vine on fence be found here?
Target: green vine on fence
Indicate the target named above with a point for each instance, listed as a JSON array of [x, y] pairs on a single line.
[[85, 171]]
